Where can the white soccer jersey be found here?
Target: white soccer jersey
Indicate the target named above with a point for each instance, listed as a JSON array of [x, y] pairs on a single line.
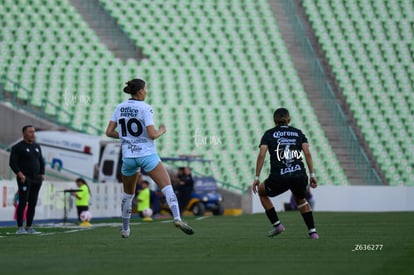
[[132, 117]]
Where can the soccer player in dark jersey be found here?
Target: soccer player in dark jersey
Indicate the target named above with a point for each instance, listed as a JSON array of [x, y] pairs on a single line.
[[285, 145], [27, 163]]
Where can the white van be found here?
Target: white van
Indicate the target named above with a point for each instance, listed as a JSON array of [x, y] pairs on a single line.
[[72, 155]]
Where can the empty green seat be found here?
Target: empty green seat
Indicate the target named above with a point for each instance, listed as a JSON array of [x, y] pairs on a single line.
[[369, 76]]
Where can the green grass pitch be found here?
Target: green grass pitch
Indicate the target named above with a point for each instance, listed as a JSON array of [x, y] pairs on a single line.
[[221, 245]]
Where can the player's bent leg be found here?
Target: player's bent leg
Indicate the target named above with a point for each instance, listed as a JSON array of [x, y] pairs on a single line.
[[160, 175], [129, 183], [303, 205], [266, 202], [307, 215], [270, 211], [264, 199]]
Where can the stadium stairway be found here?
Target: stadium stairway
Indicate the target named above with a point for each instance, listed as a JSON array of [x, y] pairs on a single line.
[[13, 120], [325, 118], [107, 29]]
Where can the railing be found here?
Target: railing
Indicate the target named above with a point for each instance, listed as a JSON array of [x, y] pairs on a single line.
[[11, 95], [368, 173]]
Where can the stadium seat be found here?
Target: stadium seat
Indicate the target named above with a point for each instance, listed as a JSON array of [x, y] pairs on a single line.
[[380, 36], [216, 67]]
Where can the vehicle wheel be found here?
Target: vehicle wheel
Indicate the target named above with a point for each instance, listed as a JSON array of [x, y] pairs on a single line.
[[219, 210], [199, 209]]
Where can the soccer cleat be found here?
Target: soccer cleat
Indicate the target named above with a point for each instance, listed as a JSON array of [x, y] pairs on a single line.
[[314, 235], [125, 233], [276, 230], [184, 227], [21, 231], [31, 231]]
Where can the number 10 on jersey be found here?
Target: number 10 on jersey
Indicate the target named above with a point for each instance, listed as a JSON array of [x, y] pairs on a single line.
[[131, 127]]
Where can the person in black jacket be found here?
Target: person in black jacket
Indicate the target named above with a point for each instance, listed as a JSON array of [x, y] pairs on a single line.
[[184, 187], [27, 163]]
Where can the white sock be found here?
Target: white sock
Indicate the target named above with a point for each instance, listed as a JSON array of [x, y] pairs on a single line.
[[126, 208], [172, 201]]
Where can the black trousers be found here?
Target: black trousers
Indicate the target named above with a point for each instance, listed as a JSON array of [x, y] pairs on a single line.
[[80, 209], [28, 194], [183, 197]]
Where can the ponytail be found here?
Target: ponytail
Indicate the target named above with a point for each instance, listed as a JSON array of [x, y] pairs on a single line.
[[133, 86]]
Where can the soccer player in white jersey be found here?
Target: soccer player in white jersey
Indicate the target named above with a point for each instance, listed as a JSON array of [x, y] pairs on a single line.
[[132, 122]]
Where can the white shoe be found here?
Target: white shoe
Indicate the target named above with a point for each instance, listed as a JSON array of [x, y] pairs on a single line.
[[125, 233], [32, 231], [184, 227], [21, 231]]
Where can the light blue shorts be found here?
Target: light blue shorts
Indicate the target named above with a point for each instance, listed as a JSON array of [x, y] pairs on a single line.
[[130, 166]]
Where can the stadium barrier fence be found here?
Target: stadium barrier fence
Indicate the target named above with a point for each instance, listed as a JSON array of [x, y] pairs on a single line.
[[39, 111]]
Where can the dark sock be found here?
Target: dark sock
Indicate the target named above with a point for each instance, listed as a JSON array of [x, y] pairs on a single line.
[[272, 216], [308, 218]]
